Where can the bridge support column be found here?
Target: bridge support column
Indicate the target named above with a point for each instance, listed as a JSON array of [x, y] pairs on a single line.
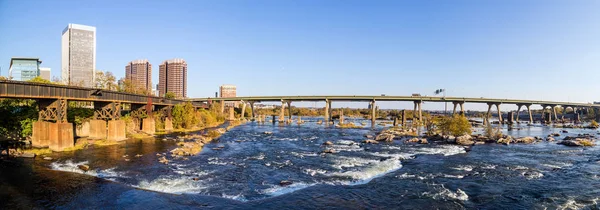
[[289, 105], [41, 132], [420, 111], [529, 112], [61, 136], [327, 105], [499, 114], [373, 112], [510, 117], [243, 110], [564, 112], [168, 124], [341, 116], [252, 109], [282, 112], [148, 126], [455, 103], [403, 117], [462, 108], [489, 113], [576, 115], [57, 136], [116, 130], [553, 107], [97, 129], [231, 114], [222, 107], [518, 112]]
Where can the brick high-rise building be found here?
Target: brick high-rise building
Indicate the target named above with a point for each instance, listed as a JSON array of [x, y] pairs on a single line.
[[227, 91], [139, 73], [172, 77]]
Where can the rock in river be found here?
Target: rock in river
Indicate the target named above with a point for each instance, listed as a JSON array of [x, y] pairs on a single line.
[[464, 140], [84, 167], [285, 183], [369, 141], [327, 143]]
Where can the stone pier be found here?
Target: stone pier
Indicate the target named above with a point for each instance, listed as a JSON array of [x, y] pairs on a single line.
[[231, 114], [373, 112], [168, 124], [403, 117], [341, 116], [116, 130], [97, 129], [61, 136], [41, 134], [148, 126]]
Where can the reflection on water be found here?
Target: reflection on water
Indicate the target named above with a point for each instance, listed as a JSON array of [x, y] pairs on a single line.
[[266, 166]]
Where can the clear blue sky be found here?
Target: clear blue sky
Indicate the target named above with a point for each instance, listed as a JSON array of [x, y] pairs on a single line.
[[538, 49]]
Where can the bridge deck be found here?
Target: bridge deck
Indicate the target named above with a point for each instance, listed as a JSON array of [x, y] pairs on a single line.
[[29, 90], [396, 98]]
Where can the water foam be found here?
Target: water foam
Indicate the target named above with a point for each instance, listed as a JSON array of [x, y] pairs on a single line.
[[277, 190], [444, 193], [174, 185], [368, 173]]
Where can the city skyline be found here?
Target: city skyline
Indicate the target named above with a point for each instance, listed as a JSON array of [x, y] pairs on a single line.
[[471, 49], [78, 59]]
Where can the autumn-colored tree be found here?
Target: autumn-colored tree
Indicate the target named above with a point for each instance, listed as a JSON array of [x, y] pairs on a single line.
[[106, 81]]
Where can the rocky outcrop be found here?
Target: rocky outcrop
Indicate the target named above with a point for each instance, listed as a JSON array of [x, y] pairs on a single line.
[[385, 137], [369, 141], [84, 167], [465, 140], [418, 140], [578, 142], [328, 143], [526, 140], [329, 151]]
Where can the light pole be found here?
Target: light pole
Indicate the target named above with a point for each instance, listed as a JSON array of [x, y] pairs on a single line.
[[438, 91]]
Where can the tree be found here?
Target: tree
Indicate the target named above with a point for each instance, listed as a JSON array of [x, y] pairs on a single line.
[[457, 125], [170, 95], [184, 116], [39, 79], [106, 81]]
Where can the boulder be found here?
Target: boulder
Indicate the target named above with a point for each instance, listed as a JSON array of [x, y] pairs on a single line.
[[423, 141], [385, 136], [550, 139], [578, 142], [572, 143], [27, 155], [284, 183], [565, 131], [369, 141], [328, 143], [47, 158], [329, 151], [414, 140], [196, 178], [555, 134], [163, 160], [504, 141], [479, 142], [84, 167], [369, 136], [464, 140], [526, 140]]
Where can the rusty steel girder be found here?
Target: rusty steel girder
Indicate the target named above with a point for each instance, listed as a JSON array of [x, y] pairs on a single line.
[[107, 111], [138, 111], [52, 110]]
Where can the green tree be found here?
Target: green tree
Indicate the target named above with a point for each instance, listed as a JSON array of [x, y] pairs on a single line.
[[457, 125], [170, 95], [184, 116], [106, 81], [39, 79]]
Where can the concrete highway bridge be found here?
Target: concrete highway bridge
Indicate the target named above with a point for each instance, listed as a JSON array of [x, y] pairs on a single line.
[[52, 128], [417, 100]]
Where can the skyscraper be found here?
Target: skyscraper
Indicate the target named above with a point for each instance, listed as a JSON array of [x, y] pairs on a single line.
[[24, 69], [139, 73], [79, 55], [172, 77], [227, 91]]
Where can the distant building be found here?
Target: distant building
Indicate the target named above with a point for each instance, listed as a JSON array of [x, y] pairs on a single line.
[[121, 84], [45, 73], [139, 72], [227, 91], [24, 69], [78, 55], [172, 77]]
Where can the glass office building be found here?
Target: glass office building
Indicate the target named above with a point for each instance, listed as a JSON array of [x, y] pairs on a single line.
[[24, 69]]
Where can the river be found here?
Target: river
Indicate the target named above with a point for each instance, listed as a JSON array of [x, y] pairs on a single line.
[[245, 167]]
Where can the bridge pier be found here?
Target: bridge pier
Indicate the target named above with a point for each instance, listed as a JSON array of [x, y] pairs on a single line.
[[231, 114], [554, 112], [341, 116], [289, 104], [403, 117], [243, 110], [56, 135], [282, 112], [97, 129], [253, 115], [518, 112], [510, 117], [458, 103], [222, 107], [529, 112], [327, 105], [499, 114], [417, 111], [462, 108], [488, 115], [373, 112]]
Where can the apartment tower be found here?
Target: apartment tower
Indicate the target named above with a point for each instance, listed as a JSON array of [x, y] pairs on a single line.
[[172, 77], [139, 73]]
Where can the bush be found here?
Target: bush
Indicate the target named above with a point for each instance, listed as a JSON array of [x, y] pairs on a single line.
[[594, 124], [456, 125]]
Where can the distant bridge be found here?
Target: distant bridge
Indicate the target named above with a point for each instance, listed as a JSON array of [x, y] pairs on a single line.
[[417, 100]]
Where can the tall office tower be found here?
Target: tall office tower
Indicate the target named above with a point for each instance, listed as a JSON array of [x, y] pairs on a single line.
[[139, 73], [172, 77], [227, 91], [79, 55], [45, 73], [24, 69]]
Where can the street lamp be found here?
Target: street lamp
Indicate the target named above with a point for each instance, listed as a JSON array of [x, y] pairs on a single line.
[[438, 91]]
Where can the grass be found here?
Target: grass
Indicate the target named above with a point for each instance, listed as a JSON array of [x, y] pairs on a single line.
[[38, 151]]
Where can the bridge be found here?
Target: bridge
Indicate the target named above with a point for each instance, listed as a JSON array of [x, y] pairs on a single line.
[[417, 100], [52, 128]]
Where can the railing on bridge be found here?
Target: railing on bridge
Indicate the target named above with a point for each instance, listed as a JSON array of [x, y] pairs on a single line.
[[30, 90]]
